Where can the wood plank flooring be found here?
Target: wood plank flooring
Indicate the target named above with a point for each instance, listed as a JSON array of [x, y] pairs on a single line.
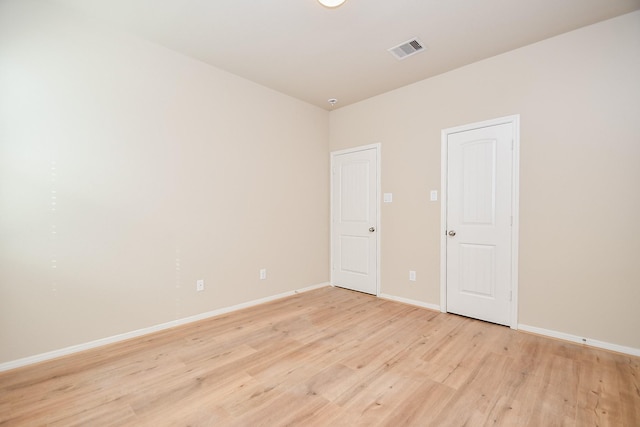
[[329, 357]]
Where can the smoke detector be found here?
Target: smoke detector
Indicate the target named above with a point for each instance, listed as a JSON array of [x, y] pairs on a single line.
[[332, 101], [407, 49]]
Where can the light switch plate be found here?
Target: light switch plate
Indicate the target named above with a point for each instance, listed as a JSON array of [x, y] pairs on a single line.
[[388, 197], [434, 195]]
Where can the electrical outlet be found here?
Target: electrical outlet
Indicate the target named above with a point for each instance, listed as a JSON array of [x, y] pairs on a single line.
[[412, 275], [263, 274], [200, 285]]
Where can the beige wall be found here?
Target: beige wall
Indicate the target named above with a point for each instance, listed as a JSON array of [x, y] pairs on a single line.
[[166, 171], [579, 100]]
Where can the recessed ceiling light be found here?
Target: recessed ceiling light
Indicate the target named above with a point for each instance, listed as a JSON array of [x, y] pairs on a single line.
[[331, 3]]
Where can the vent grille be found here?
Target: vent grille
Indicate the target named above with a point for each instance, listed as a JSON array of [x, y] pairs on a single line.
[[406, 49]]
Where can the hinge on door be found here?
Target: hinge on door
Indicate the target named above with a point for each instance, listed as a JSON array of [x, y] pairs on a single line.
[[510, 296], [512, 220], [512, 144]]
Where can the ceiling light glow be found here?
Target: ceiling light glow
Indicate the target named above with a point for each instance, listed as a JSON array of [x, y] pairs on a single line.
[[331, 3]]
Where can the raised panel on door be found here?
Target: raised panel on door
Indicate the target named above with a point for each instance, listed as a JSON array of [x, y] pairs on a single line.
[[478, 190], [477, 270], [354, 190]]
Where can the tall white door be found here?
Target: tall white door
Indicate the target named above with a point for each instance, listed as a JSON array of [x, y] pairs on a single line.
[[354, 234], [479, 218]]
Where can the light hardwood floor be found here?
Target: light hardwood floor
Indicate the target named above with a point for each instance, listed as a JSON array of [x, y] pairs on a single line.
[[329, 357]]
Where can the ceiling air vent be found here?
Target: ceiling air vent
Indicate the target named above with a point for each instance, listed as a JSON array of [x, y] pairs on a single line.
[[406, 49]]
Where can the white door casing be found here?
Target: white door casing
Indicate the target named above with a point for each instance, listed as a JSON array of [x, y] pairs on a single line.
[[480, 220], [355, 190]]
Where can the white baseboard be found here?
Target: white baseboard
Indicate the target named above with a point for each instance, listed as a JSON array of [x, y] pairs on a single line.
[[580, 340], [535, 330], [133, 334], [410, 302]]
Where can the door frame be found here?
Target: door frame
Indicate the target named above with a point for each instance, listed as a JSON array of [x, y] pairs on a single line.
[[377, 147], [515, 189]]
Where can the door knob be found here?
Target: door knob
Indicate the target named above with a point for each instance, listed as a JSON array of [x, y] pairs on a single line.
[[452, 233], [371, 229]]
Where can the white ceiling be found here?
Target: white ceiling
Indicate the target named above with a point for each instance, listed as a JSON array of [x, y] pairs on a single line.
[[313, 53]]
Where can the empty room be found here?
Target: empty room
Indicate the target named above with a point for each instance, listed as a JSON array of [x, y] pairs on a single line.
[[319, 212]]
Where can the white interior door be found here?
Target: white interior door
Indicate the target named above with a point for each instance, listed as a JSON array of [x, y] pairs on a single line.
[[354, 213], [479, 223]]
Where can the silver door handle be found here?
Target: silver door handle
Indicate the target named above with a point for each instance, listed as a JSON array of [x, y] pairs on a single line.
[[452, 233], [371, 229]]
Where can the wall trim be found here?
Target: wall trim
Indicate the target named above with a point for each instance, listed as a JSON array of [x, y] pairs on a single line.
[[156, 328], [417, 303], [580, 340], [30, 360], [534, 330]]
